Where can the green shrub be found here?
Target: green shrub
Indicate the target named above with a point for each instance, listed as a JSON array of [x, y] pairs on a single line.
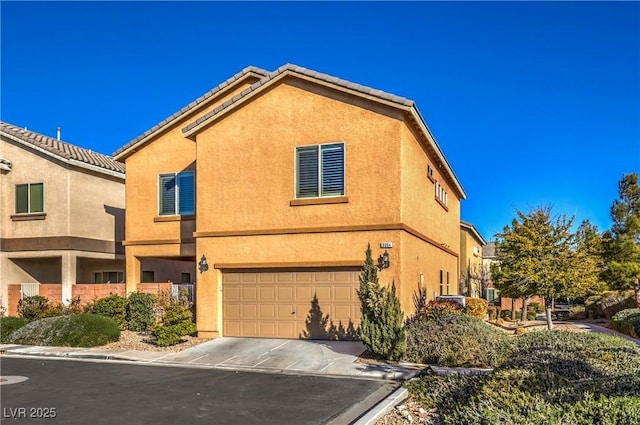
[[531, 315], [382, 328], [625, 321], [80, 330], [114, 307], [555, 377], [140, 311], [535, 307], [607, 304], [505, 314], [455, 340], [477, 307], [177, 322], [8, 325], [577, 312], [33, 308]]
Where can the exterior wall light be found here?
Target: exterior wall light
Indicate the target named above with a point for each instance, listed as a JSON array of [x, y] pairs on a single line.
[[383, 261], [203, 266]]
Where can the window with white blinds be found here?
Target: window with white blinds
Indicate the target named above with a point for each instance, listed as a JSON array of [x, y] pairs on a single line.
[[320, 170], [177, 193]]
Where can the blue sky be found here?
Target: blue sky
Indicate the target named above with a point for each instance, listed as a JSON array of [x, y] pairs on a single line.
[[533, 103]]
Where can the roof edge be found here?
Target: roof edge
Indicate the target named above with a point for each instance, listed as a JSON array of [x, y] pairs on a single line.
[[145, 137], [473, 230]]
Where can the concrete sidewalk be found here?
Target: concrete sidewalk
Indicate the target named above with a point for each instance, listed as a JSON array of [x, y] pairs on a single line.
[[330, 358]]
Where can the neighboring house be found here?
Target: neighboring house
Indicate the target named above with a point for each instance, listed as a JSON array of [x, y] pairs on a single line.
[[473, 278], [62, 215], [274, 183], [488, 258]]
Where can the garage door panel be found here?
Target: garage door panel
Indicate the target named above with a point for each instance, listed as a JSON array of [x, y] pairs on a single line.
[[276, 304]]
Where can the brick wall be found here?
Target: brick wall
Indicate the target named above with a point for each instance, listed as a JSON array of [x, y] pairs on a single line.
[[88, 292]]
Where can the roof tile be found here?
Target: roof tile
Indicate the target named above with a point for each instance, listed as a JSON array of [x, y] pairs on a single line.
[[62, 149]]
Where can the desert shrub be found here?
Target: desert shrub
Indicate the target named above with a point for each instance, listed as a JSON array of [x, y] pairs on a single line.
[[535, 307], [8, 325], [505, 314], [625, 321], [435, 309], [455, 339], [555, 377], [477, 307], [140, 312], [520, 330], [177, 322], [33, 308], [577, 312], [74, 306], [500, 322], [493, 312], [608, 304], [114, 307], [531, 315], [79, 330]]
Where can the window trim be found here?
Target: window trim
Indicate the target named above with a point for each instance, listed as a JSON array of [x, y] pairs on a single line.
[[176, 200], [108, 271], [29, 212], [319, 146]]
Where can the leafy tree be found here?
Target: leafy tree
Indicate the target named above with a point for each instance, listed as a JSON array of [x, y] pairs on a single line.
[[538, 255], [589, 244], [382, 324], [621, 244]]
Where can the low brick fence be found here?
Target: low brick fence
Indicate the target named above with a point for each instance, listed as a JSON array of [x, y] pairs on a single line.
[[88, 292]]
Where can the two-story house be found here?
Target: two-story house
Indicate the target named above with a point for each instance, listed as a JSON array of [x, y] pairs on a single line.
[[274, 183], [62, 215], [473, 277]]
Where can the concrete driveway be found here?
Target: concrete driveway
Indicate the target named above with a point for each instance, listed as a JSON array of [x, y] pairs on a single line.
[[291, 356]]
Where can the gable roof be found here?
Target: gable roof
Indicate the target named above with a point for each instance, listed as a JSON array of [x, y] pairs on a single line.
[[472, 229], [404, 104], [167, 122], [63, 151]]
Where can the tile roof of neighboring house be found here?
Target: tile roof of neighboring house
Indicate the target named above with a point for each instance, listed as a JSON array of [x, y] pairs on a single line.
[[63, 151], [250, 69], [473, 230]]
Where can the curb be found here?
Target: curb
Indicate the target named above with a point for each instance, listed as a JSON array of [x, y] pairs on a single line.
[[382, 408]]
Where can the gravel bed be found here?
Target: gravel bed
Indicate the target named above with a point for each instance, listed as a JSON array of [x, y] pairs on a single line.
[[143, 341]]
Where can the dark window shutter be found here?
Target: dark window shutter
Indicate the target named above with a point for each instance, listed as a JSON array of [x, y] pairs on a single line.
[[307, 172], [333, 170], [167, 194], [186, 188]]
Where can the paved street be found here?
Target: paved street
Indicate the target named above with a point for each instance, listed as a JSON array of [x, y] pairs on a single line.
[[109, 393]]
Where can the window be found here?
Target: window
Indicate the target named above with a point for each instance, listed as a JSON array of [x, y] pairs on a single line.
[[447, 283], [148, 276], [108, 277], [430, 173], [441, 282], [320, 171], [185, 278], [29, 198], [177, 193], [441, 195]]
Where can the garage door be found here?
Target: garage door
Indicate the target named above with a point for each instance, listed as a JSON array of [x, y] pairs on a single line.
[[275, 303]]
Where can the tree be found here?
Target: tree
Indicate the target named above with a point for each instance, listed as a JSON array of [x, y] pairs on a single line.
[[621, 244], [475, 280], [589, 244], [538, 255], [382, 323]]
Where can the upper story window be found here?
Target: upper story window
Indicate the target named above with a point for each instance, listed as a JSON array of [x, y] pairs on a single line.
[[177, 193], [320, 170], [29, 198], [441, 195]]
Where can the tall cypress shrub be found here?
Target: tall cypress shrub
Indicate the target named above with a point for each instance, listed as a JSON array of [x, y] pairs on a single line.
[[382, 323]]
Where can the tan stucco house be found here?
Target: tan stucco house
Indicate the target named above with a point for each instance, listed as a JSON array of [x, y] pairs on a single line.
[[274, 183], [473, 277], [62, 214]]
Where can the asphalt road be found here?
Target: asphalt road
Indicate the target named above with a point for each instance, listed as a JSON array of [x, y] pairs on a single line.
[[110, 393]]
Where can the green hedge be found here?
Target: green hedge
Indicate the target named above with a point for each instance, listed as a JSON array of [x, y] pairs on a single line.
[[8, 325], [455, 339], [627, 321], [557, 377], [81, 330], [114, 307]]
